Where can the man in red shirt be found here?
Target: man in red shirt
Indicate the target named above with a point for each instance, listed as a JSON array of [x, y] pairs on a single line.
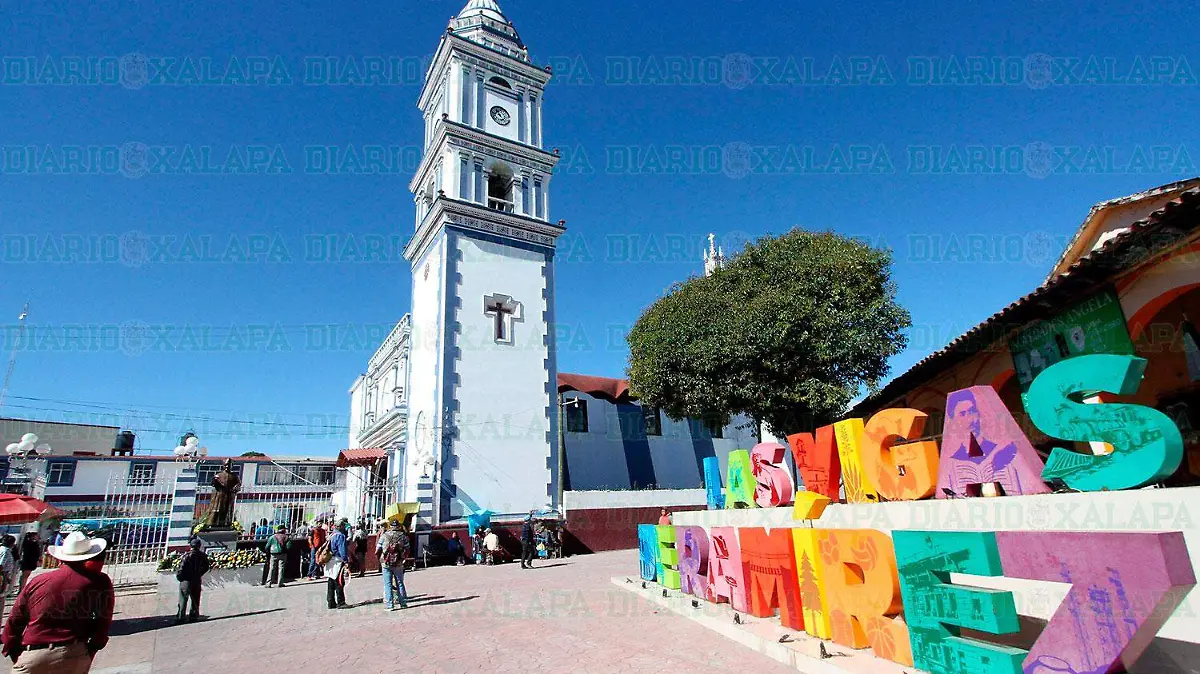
[[61, 619]]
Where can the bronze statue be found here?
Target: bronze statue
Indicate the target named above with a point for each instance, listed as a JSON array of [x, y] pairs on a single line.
[[225, 485]]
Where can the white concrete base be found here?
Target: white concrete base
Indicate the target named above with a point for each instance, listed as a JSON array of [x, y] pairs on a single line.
[[762, 634]]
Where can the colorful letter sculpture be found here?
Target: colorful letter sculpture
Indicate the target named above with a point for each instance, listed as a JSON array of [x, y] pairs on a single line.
[[1124, 586], [772, 477], [854, 476], [817, 461], [692, 544], [771, 578], [668, 557], [712, 483], [739, 492], [863, 592], [935, 610], [725, 574], [1147, 445], [982, 444], [648, 551], [811, 578], [809, 505], [901, 472]]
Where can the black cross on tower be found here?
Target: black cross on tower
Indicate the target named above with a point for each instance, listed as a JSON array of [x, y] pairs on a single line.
[[500, 307]]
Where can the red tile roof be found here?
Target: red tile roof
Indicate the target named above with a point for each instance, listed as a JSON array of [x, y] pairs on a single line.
[[360, 457], [1161, 230], [605, 388]]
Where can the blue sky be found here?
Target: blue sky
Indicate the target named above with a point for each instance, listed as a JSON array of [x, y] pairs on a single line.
[[191, 265]]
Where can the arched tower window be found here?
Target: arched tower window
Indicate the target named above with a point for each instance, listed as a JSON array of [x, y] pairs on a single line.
[[500, 82], [500, 188]]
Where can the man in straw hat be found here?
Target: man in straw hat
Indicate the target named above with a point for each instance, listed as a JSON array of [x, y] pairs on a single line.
[[61, 619]]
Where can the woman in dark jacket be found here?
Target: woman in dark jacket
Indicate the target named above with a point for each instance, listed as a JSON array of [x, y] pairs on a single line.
[[31, 556]]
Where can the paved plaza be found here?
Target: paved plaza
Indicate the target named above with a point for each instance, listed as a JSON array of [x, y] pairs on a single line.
[[564, 616]]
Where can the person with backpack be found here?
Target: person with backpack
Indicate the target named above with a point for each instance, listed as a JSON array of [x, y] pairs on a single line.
[[277, 548], [190, 575], [394, 546]]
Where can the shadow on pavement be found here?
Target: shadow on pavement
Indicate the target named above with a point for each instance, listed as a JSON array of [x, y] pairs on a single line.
[[127, 626], [551, 566], [438, 601]]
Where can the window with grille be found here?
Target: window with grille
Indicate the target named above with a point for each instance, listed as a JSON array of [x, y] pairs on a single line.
[[142, 472], [653, 418], [60, 474], [576, 416]]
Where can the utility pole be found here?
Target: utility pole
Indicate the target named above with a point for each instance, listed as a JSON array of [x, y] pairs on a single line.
[[12, 359]]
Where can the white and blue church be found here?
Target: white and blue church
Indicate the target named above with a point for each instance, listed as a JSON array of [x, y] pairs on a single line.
[[463, 399]]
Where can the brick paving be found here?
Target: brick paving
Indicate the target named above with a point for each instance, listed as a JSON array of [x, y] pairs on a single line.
[[565, 616]]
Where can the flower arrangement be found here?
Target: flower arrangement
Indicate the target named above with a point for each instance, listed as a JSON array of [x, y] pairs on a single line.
[[242, 559]]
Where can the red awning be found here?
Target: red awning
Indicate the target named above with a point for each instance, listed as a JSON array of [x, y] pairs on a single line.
[[605, 388], [360, 457], [18, 509]]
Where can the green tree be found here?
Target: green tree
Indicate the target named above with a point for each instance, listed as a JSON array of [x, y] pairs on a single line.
[[253, 454], [788, 333]]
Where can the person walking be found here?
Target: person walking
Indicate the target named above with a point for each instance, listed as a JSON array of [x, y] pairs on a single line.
[[315, 540], [360, 549], [8, 568], [336, 569], [277, 549], [528, 549], [394, 546], [31, 556], [455, 549], [61, 620], [190, 575]]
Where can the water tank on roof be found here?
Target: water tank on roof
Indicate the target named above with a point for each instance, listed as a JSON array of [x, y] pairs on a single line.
[[124, 443]]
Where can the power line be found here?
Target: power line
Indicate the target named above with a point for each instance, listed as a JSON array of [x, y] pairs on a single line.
[[137, 406], [134, 413]]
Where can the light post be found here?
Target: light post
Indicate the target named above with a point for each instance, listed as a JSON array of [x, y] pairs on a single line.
[[20, 455]]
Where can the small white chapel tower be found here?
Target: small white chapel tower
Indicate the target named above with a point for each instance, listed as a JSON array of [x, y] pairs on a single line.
[[714, 257], [483, 418]]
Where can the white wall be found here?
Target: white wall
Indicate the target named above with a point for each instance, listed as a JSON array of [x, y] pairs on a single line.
[[597, 458], [425, 364], [663, 498], [502, 451], [64, 438]]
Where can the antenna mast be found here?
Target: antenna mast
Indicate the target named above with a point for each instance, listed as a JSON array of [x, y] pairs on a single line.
[[12, 359]]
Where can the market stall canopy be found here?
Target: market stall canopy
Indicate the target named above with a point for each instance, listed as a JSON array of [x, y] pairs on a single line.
[[18, 509], [477, 520], [401, 511], [360, 457]]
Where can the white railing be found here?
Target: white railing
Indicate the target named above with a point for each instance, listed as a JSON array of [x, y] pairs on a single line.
[[501, 205]]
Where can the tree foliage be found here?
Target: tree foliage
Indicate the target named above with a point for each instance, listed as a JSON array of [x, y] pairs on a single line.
[[788, 332]]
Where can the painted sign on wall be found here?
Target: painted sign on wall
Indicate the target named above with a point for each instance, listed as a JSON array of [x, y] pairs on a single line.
[[1096, 325]]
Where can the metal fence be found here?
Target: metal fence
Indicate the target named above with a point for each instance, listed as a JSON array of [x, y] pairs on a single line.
[[135, 517], [289, 504]]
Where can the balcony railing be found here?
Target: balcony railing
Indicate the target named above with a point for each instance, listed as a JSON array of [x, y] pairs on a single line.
[[501, 205]]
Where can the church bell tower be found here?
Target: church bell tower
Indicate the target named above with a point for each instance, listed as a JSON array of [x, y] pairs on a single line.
[[483, 418]]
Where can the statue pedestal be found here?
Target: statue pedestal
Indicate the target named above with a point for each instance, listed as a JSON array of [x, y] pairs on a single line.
[[226, 538]]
